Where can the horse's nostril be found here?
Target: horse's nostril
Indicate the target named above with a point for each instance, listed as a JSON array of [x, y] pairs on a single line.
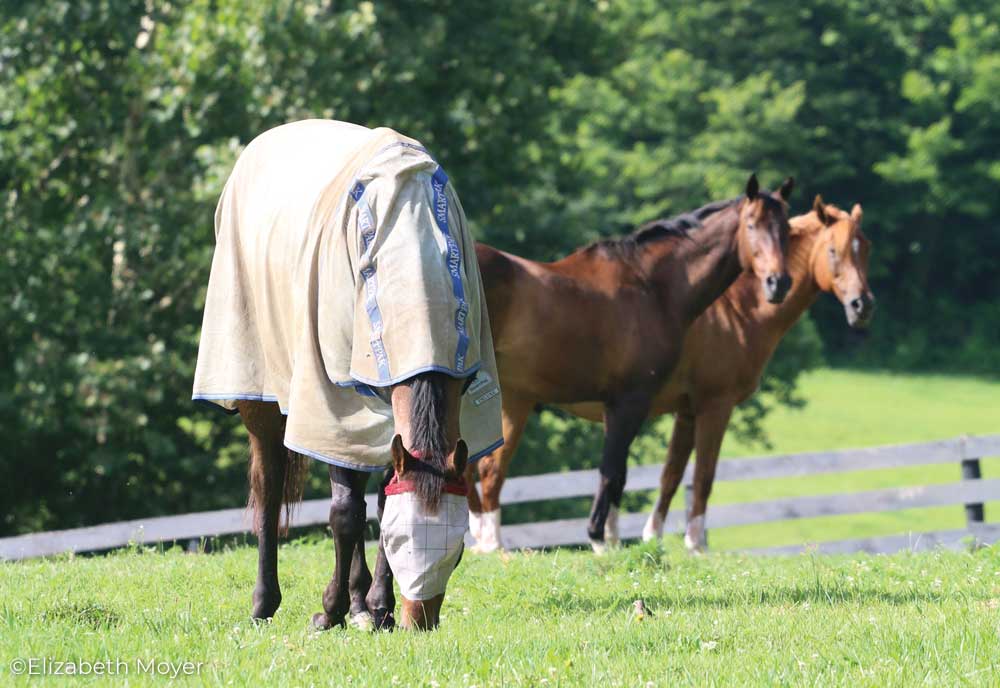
[[772, 281], [858, 305]]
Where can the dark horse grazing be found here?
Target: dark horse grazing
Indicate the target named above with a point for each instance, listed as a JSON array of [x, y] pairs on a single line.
[[606, 325], [728, 347], [425, 409], [345, 322]]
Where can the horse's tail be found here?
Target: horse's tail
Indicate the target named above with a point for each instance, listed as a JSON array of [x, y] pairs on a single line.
[[428, 425], [296, 471], [271, 465], [293, 470]]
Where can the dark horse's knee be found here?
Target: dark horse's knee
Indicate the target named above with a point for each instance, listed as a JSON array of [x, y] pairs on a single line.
[[347, 515]]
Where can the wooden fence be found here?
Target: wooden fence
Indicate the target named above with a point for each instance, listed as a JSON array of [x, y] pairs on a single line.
[[965, 452]]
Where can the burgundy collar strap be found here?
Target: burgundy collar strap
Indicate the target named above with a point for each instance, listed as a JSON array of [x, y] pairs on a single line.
[[397, 486]]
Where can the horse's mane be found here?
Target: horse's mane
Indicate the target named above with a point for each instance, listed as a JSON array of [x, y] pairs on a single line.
[[655, 230], [680, 226]]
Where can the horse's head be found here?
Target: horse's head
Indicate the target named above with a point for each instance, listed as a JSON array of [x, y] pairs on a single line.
[[763, 237], [840, 261], [426, 511]]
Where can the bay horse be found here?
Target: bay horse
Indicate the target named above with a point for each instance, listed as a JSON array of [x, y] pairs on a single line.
[[727, 348], [606, 323], [345, 321]]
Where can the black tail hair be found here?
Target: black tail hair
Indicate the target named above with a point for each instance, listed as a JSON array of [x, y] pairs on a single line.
[[429, 435]]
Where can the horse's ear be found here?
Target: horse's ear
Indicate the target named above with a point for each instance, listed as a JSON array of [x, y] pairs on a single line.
[[752, 187], [785, 190], [820, 209], [399, 455], [458, 459], [856, 213]]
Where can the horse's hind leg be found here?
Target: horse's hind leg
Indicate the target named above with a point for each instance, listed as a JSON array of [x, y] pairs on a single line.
[[359, 584], [484, 522], [381, 600], [347, 521], [710, 428], [681, 444], [268, 463]]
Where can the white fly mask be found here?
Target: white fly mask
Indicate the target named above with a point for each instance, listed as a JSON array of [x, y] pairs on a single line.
[[423, 550]]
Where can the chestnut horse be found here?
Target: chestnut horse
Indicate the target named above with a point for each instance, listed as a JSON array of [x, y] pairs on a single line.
[[606, 324], [726, 350]]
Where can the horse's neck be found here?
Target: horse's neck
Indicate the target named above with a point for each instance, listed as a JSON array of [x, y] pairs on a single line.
[[768, 322], [700, 266]]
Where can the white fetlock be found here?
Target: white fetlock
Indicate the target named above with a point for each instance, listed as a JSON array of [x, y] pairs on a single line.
[[362, 621], [488, 539], [476, 525], [695, 537], [611, 528], [653, 530], [600, 548]]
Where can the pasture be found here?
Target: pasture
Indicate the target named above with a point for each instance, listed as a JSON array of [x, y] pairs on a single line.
[[845, 409], [563, 618], [851, 409], [567, 618]]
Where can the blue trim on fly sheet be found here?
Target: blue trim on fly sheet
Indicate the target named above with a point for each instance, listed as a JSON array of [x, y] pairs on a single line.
[[438, 181], [459, 374], [489, 450], [366, 225], [363, 467]]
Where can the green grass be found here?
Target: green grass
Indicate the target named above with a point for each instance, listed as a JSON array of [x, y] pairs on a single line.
[[563, 618], [859, 409]]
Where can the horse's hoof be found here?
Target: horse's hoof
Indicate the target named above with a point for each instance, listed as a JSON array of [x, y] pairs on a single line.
[[363, 621], [653, 530], [599, 546], [265, 603], [384, 620], [485, 548], [322, 622]]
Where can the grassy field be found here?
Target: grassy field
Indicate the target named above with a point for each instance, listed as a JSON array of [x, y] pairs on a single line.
[[563, 618], [852, 409]]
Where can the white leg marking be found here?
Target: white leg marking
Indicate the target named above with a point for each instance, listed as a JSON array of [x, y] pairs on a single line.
[[489, 533], [611, 527], [695, 538], [476, 525], [653, 530], [363, 621], [600, 549]]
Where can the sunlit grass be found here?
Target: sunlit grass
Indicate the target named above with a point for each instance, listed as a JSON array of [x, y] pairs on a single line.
[[563, 618]]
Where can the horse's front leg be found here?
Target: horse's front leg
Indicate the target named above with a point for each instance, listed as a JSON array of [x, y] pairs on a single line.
[[622, 422], [347, 521], [381, 600]]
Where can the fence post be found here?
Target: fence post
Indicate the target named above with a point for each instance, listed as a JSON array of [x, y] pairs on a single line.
[[971, 470]]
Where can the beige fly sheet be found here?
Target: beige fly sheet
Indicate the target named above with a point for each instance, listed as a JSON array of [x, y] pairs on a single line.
[[342, 266]]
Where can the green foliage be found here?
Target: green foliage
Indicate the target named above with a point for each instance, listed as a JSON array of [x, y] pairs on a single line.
[[560, 122]]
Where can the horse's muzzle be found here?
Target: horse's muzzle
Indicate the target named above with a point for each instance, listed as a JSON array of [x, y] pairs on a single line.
[[860, 310], [776, 287]]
